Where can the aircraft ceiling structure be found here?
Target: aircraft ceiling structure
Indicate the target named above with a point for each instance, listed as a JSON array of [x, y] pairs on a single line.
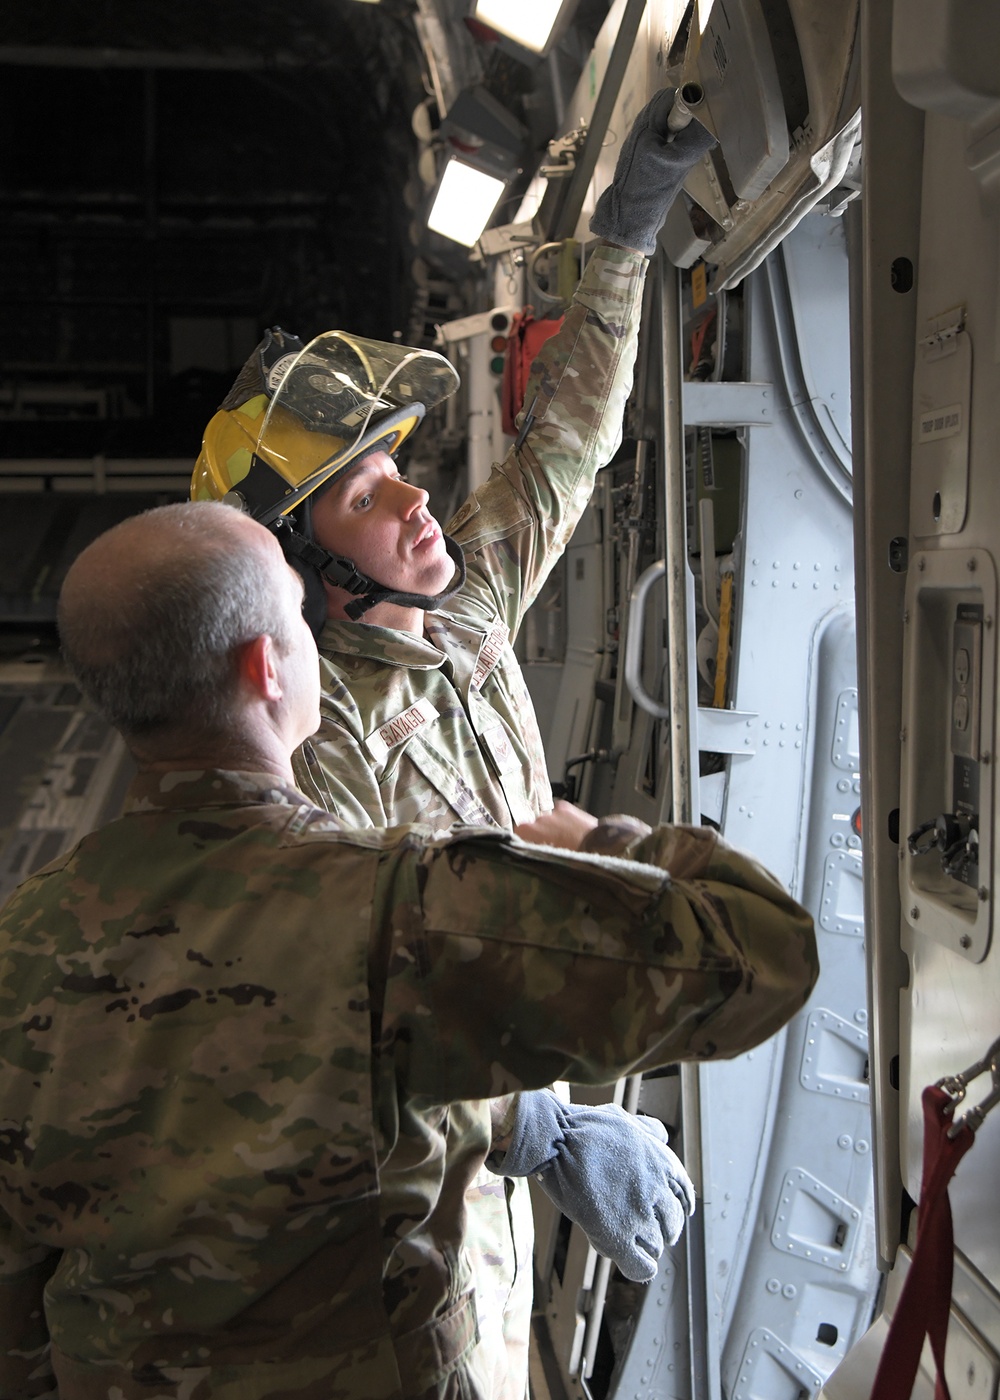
[[178, 176], [174, 178]]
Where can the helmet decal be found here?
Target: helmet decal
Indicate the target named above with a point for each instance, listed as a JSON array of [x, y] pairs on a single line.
[[278, 371]]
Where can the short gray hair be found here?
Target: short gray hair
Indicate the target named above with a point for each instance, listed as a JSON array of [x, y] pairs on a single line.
[[159, 652]]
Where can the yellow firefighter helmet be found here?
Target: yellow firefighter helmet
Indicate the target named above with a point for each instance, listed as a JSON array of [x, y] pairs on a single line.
[[299, 416]]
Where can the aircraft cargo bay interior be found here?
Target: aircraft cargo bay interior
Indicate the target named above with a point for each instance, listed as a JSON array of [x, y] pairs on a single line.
[[725, 560]]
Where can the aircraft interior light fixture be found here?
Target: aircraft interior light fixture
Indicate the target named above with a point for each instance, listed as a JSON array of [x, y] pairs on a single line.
[[529, 23], [465, 200]]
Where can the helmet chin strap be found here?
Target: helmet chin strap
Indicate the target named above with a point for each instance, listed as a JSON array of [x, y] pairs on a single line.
[[315, 563], [378, 594]]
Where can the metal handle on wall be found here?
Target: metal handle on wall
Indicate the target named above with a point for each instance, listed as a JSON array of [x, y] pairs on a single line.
[[633, 641]]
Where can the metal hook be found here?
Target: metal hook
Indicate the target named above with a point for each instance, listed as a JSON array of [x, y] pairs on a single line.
[[918, 846], [956, 1084]]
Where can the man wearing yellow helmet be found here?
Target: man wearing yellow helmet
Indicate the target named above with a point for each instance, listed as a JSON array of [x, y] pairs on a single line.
[[298, 423], [425, 714]]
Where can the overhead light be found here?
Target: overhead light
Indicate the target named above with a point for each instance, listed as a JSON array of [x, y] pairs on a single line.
[[530, 23], [465, 200]]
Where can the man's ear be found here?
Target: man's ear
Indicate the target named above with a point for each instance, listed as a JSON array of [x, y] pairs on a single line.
[[258, 668]]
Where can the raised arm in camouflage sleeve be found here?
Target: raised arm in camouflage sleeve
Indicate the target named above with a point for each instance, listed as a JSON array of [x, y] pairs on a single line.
[[239, 1143], [516, 526], [440, 728]]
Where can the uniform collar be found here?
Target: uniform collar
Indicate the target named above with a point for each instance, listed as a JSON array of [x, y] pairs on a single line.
[[385, 644], [209, 787]]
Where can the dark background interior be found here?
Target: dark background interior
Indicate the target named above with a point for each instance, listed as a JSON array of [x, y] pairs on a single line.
[[175, 177]]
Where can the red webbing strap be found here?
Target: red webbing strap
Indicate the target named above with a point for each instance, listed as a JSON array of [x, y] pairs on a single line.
[[924, 1303]]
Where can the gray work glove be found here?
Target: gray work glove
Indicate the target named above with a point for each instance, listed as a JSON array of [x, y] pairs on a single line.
[[652, 166], [610, 1171]]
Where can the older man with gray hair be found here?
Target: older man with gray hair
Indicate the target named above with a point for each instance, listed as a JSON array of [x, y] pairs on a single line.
[[230, 1032]]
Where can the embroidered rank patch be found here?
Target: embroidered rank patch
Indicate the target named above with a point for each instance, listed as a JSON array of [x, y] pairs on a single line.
[[399, 728], [492, 651], [501, 749]]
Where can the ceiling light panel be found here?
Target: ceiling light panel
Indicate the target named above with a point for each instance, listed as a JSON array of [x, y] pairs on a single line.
[[528, 22], [465, 200]]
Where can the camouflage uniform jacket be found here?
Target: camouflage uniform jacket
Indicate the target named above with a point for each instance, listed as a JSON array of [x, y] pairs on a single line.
[[440, 728], [229, 1033]]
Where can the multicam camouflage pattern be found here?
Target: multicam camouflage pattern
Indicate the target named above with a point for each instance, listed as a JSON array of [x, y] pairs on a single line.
[[229, 1033], [440, 728]]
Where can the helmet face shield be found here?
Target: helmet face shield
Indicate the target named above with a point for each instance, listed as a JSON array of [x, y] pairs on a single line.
[[341, 398], [291, 424], [294, 419]]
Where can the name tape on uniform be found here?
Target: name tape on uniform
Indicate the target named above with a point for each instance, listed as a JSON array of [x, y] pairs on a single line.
[[492, 651], [399, 728]]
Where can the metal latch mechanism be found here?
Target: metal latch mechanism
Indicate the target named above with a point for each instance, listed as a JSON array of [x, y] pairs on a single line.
[[563, 153], [955, 1085], [956, 836]]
